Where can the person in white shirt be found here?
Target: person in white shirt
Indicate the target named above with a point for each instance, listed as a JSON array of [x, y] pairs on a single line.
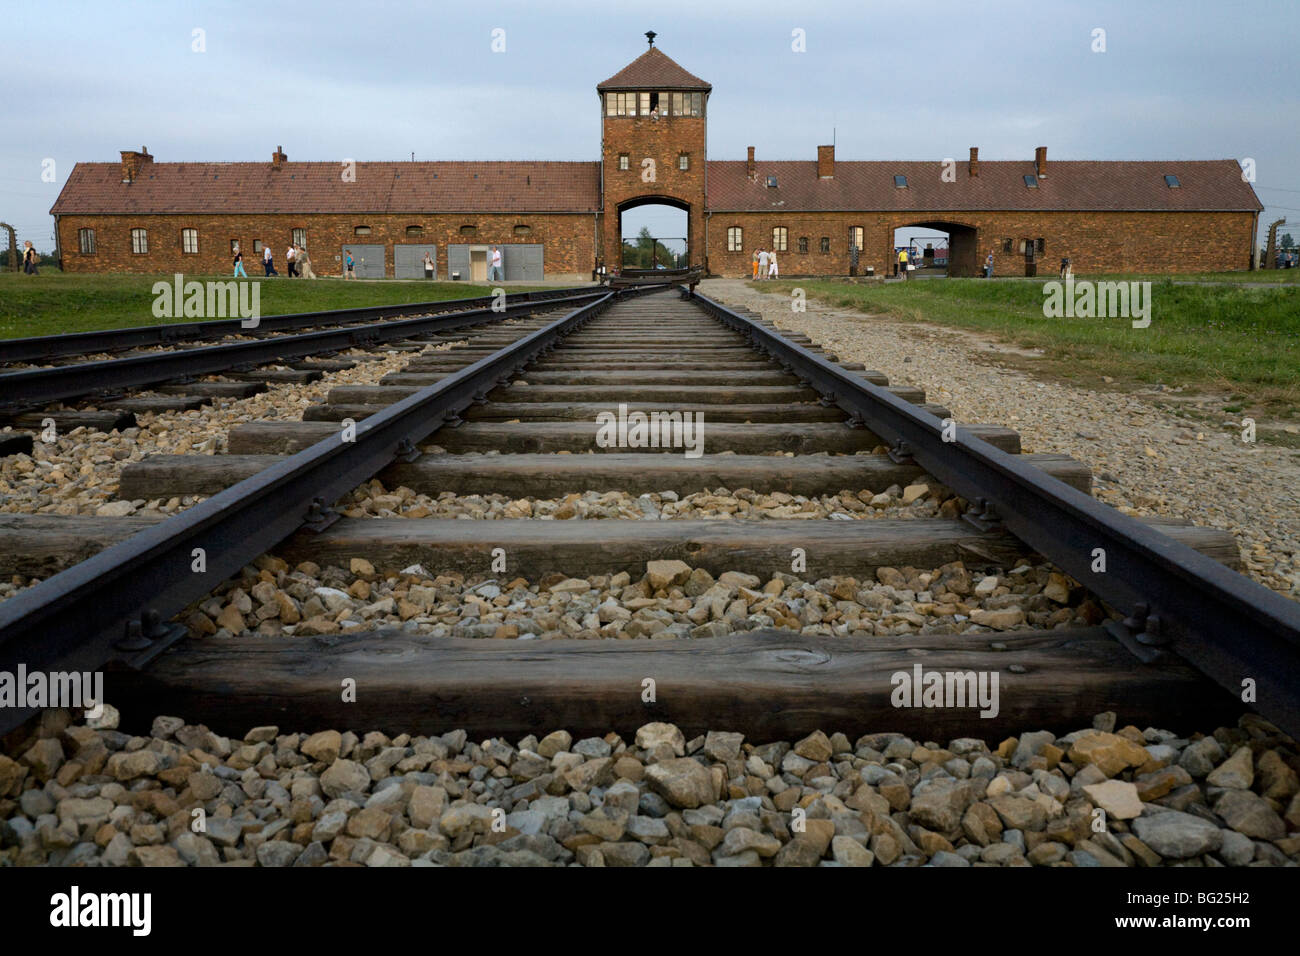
[[495, 272], [428, 266], [771, 265], [762, 263], [268, 260], [291, 260]]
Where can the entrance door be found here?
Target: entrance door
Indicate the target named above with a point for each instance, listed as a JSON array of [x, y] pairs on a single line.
[[408, 260], [478, 265], [369, 260]]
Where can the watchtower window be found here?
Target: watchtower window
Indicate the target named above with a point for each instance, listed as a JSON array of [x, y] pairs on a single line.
[[648, 104], [688, 104], [620, 104]]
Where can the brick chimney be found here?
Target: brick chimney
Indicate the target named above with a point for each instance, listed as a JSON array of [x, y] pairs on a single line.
[[825, 162], [974, 160], [133, 161], [1040, 161], [278, 158], [749, 164]]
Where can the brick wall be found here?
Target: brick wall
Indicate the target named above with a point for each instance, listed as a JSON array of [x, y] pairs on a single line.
[[1094, 241], [569, 240], [662, 140]]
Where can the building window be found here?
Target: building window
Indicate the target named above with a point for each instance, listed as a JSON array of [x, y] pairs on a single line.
[[620, 104], [468, 230], [86, 241], [735, 239], [803, 245], [855, 237], [900, 182], [1006, 245], [771, 182], [1172, 182], [190, 242], [300, 238], [688, 104], [257, 246], [683, 160], [779, 238], [623, 161], [826, 243], [360, 230], [1031, 181], [139, 242], [523, 230], [644, 104], [1041, 245], [415, 231], [234, 246]]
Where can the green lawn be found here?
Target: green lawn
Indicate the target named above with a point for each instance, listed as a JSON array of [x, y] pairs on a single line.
[[1241, 341], [53, 302]]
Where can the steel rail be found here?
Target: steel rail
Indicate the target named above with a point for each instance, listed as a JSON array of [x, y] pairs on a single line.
[[1232, 629], [114, 605], [35, 387], [39, 348]]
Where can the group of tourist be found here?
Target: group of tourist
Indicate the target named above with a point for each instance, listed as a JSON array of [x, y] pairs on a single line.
[[296, 260], [765, 264]]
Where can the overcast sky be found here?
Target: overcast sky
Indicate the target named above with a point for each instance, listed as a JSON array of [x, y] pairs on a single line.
[[382, 79]]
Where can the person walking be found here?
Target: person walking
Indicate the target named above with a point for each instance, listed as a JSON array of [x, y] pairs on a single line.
[[239, 264], [1065, 266], [988, 267], [771, 265], [304, 264], [495, 274], [762, 263], [428, 266], [30, 258], [268, 260], [349, 267], [755, 263], [291, 260], [902, 264]]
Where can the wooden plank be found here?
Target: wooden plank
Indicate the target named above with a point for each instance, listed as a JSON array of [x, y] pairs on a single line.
[[551, 476], [388, 394], [142, 404], [585, 547], [737, 394], [66, 421], [768, 685], [40, 545], [280, 438], [290, 376], [215, 389]]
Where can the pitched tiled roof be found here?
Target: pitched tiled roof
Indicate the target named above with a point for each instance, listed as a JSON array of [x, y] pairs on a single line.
[[428, 187], [1068, 186], [653, 70]]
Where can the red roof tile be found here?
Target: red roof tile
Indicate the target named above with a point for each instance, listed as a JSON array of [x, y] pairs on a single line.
[[1068, 186], [425, 187], [653, 70]]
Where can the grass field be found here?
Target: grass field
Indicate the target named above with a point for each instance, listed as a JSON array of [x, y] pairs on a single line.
[[1242, 342], [55, 302]]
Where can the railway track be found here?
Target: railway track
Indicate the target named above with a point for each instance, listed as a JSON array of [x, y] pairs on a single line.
[[513, 416], [182, 376]]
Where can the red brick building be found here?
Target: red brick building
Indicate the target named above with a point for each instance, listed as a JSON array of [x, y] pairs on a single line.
[[822, 216]]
